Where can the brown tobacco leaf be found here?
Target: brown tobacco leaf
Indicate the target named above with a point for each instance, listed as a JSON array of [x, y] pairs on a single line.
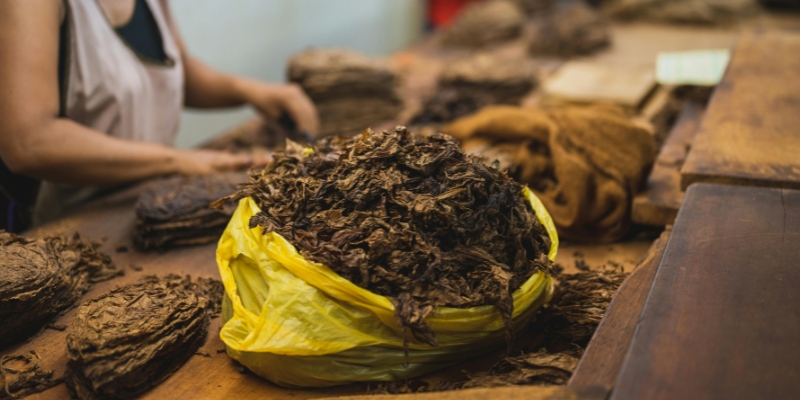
[[213, 291], [405, 216], [22, 376], [42, 278], [580, 301], [551, 347], [484, 24], [540, 368], [174, 211], [573, 29], [132, 338]]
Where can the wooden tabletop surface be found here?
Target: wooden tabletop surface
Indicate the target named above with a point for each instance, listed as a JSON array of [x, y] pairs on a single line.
[[217, 376], [749, 135], [722, 319]]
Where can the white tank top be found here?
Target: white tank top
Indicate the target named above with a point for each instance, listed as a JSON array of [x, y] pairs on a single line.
[[112, 89]]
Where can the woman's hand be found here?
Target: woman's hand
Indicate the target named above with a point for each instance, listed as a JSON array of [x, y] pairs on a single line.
[[274, 100], [203, 162]]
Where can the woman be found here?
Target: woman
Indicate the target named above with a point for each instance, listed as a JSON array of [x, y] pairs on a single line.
[[91, 93]]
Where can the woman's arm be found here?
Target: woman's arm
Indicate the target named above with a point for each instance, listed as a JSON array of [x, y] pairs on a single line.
[[36, 143], [208, 88]]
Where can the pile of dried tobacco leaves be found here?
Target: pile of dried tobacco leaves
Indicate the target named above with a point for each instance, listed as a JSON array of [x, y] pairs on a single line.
[[41, 278], [406, 216]]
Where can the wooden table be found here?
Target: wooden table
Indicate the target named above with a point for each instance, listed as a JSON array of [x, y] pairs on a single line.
[[722, 319], [749, 135], [215, 376], [218, 376]]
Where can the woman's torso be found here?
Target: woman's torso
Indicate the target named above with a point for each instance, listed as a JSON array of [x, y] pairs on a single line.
[[116, 85]]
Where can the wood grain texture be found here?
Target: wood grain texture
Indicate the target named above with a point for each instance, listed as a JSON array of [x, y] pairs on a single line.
[[721, 320], [603, 358], [658, 203], [510, 393], [584, 82], [749, 135]]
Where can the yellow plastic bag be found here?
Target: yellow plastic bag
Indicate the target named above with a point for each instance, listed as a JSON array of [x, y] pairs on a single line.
[[298, 323]]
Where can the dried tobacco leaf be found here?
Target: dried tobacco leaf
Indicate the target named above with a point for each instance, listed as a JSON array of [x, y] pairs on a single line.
[[506, 79], [406, 216], [580, 301], [540, 368], [350, 90], [467, 85], [127, 341], [174, 211], [44, 277], [22, 376], [574, 29], [485, 23], [553, 344]]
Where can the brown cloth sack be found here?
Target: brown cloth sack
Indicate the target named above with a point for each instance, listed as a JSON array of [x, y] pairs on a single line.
[[584, 163]]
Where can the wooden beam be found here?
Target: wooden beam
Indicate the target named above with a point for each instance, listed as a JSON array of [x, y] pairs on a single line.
[[658, 203], [722, 319], [750, 133]]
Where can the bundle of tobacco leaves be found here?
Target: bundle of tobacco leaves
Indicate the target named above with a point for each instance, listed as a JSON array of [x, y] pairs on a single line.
[[406, 216], [535, 8], [22, 376], [467, 85], [44, 277], [350, 90], [448, 104], [573, 29], [131, 339], [174, 211], [485, 23], [696, 12], [505, 80]]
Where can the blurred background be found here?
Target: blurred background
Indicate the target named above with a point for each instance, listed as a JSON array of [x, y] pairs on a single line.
[[256, 38]]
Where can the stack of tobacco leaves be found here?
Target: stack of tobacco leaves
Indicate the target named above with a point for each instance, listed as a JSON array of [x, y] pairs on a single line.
[[467, 85], [506, 80], [174, 211], [44, 277], [23, 376], [485, 23], [534, 8], [351, 91], [409, 217], [573, 29], [131, 339], [695, 12]]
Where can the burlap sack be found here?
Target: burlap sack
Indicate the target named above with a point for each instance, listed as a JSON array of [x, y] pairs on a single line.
[[584, 163]]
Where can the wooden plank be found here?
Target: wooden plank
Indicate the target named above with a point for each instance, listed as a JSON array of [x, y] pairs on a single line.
[[510, 393], [749, 135], [721, 320], [658, 203], [603, 358], [583, 82]]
